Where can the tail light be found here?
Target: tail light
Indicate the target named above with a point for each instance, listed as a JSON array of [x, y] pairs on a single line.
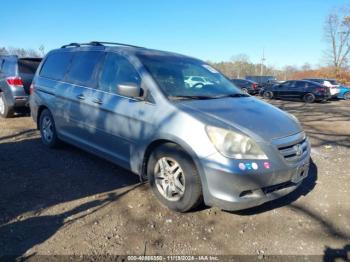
[[255, 86], [14, 81], [321, 89]]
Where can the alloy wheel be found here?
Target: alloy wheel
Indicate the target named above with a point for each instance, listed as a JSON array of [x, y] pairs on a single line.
[[47, 129], [169, 179]]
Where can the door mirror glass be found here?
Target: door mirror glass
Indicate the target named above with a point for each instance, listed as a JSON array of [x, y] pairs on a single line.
[[129, 90]]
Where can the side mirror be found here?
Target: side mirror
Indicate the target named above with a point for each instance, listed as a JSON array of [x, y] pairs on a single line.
[[129, 90]]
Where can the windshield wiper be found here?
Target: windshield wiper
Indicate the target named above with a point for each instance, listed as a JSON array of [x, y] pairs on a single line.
[[193, 97], [233, 95]]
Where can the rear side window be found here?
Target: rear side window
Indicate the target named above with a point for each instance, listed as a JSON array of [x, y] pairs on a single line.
[[82, 70], [117, 70], [197, 79], [8, 67], [28, 66], [56, 65], [302, 84]]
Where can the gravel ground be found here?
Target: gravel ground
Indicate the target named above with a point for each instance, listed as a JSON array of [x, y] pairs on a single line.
[[67, 201]]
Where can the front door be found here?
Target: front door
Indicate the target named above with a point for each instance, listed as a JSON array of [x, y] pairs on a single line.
[[120, 122]]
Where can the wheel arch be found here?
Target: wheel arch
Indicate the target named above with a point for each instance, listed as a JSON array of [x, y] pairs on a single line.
[[40, 110], [160, 141]]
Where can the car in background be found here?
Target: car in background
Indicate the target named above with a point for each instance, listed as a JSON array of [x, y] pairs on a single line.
[[308, 91], [131, 106], [344, 92], [247, 86], [331, 83], [197, 81], [262, 80], [16, 76]]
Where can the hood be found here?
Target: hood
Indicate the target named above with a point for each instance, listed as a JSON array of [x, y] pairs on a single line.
[[250, 115]]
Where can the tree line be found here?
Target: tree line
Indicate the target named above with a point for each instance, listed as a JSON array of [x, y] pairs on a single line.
[[336, 62], [23, 52]]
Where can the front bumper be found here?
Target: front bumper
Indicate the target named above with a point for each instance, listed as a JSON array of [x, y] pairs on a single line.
[[233, 184]]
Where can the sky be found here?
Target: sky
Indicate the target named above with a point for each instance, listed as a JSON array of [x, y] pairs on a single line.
[[289, 31]]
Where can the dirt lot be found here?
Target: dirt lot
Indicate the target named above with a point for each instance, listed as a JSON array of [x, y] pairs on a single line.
[[67, 201]]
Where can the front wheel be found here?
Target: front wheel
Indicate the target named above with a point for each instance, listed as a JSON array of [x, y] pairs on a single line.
[[309, 98], [48, 129], [174, 178], [347, 96], [268, 95]]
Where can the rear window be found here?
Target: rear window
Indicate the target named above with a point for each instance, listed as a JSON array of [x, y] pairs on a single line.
[[56, 65], [82, 70], [28, 66]]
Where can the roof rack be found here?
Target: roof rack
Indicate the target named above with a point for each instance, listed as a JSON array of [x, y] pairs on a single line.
[[98, 43]]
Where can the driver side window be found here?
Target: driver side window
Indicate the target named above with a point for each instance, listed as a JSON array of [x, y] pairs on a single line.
[[117, 70]]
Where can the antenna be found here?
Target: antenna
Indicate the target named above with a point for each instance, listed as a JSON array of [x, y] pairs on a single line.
[[263, 59]]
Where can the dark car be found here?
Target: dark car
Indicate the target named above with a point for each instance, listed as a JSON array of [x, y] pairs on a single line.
[[246, 86], [331, 83], [16, 75], [262, 80], [308, 91]]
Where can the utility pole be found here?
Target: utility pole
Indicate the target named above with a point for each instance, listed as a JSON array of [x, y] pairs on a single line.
[[263, 59]]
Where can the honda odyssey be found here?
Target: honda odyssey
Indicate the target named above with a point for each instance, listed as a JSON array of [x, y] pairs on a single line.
[[131, 105]]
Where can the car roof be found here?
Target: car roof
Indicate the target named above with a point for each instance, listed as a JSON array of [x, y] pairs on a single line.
[[322, 79], [124, 48], [305, 80]]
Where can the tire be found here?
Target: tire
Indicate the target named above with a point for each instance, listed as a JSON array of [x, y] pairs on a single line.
[[245, 90], [178, 200], [268, 94], [347, 96], [5, 110], [48, 129], [309, 98]]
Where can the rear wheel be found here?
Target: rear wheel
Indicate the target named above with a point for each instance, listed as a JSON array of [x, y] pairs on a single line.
[[309, 98], [48, 129], [174, 178], [5, 110], [347, 96], [245, 90], [268, 95]]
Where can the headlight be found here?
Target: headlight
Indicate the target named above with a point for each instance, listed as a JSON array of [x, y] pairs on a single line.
[[234, 145], [294, 117]]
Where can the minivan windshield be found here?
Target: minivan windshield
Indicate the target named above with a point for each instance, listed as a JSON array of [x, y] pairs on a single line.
[[173, 75]]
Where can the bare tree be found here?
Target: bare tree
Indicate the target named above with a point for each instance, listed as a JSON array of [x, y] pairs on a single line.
[[20, 52], [337, 34]]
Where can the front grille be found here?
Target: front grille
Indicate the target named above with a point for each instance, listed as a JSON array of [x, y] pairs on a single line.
[[294, 151], [271, 189]]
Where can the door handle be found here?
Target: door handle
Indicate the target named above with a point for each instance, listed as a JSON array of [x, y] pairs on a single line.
[[81, 97], [97, 101]]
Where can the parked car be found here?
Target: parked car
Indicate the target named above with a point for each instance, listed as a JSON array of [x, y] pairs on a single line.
[[131, 106], [344, 92], [197, 81], [262, 80], [308, 91], [16, 75], [331, 83], [247, 86]]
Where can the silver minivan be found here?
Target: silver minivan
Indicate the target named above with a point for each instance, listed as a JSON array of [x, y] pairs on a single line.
[[131, 105]]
